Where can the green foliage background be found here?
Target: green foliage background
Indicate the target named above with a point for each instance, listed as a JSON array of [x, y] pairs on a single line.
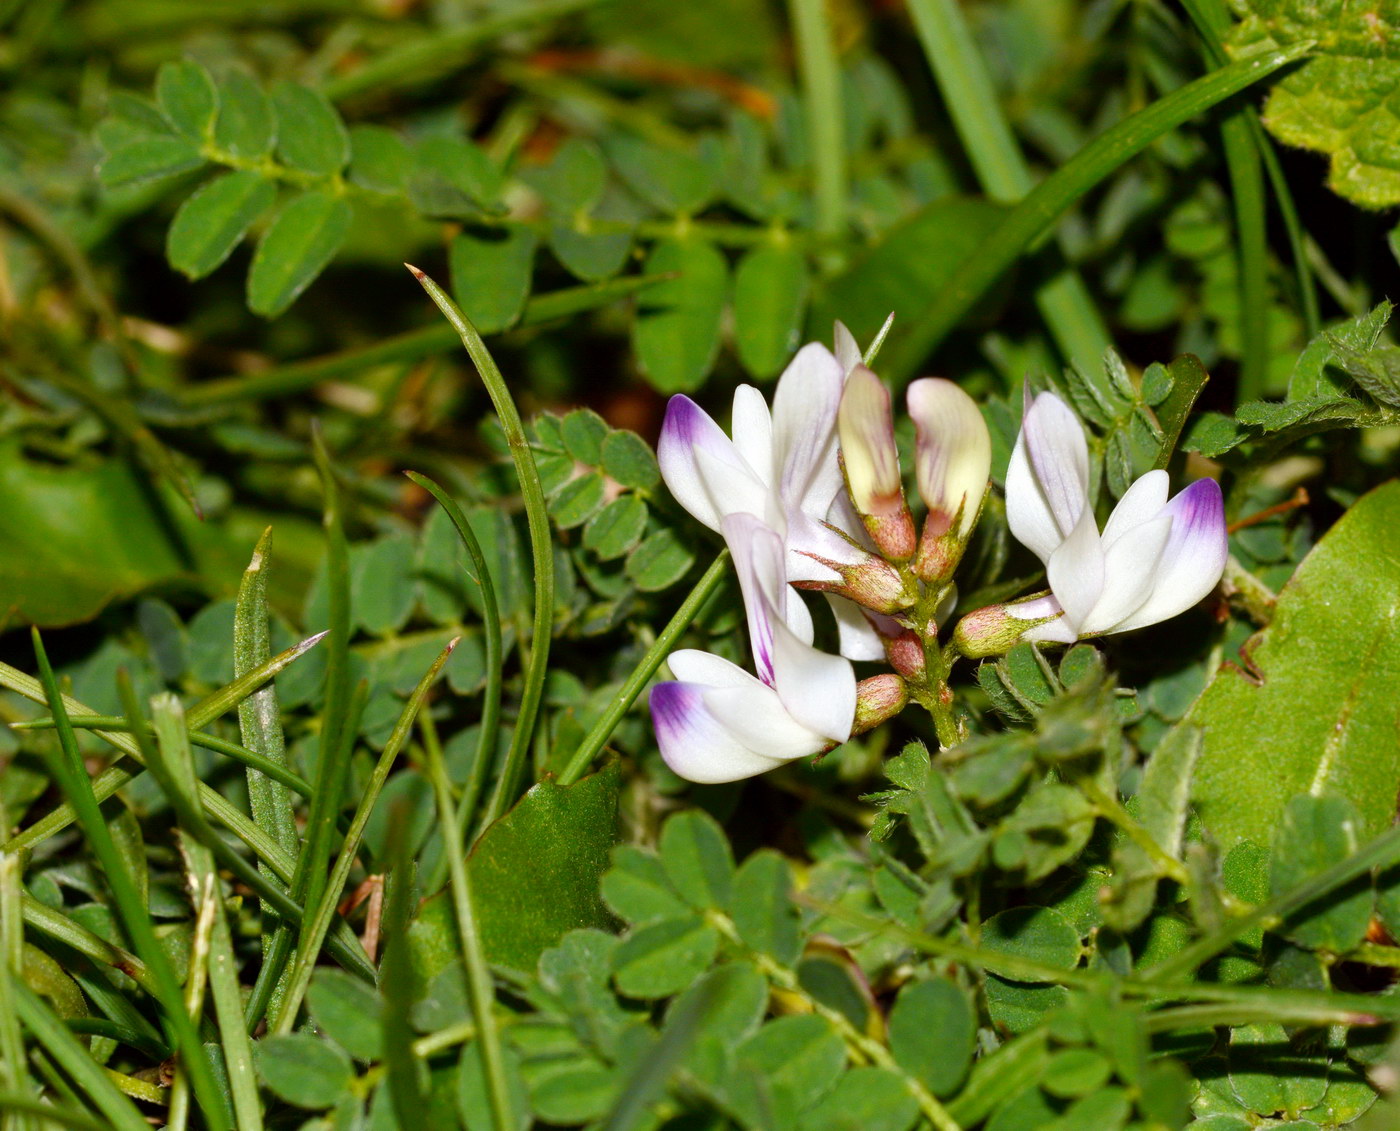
[[1155, 888]]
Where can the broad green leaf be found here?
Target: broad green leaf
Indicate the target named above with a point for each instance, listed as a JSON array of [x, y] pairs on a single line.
[[659, 562], [770, 297], [347, 1009], [676, 332], [629, 460], [246, 125], [210, 223], [616, 529], [761, 906], [1313, 712], [582, 433], [1337, 101], [379, 159], [304, 1071], [637, 888], [670, 179], [381, 584], [535, 875], [474, 1100], [696, 856], [1041, 934], [310, 134], [591, 255], [786, 1068], [1316, 833], [933, 1032], [1268, 1076], [187, 96], [1075, 1072], [1164, 796], [54, 516], [574, 178], [578, 500], [737, 1000], [453, 177], [491, 272], [911, 262], [870, 1098], [663, 958], [148, 159], [574, 1092], [306, 233]]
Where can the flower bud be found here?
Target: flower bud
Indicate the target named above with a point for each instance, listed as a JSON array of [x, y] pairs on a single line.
[[878, 698], [953, 458], [995, 629], [871, 582], [870, 460], [905, 652]]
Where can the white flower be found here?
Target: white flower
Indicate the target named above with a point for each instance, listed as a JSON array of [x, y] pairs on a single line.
[[780, 466], [1154, 559], [715, 722]]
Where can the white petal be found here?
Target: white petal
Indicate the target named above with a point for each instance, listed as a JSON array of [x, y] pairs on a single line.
[[804, 429], [1047, 482], [756, 718], [686, 431], [805, 536], [847, 351], [1194, 557], [695, 744], [797, 615], [857, 638], [690, 665], [759, 562], [1129, 570], [1055, 632], [752, 427], [1141, 502], [731, 488], [817, 689], [1075, 571]]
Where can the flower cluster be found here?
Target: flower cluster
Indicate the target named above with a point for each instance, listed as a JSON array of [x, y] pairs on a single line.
[[809, 496]]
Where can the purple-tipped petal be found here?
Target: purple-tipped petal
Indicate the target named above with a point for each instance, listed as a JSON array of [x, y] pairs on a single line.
[[687, 430], [757, 720], [694, 743], [1194, 556], [1047, 482], [758, 560]]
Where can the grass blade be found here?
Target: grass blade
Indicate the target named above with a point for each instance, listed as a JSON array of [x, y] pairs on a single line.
[[491, 625], [1037, 214], [541, 549], [821, 98], [641, 675], [319, 921], [1001, 169], [130, 909]]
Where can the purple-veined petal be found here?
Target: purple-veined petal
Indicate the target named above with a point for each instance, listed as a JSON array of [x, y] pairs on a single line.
[[804, 429], [866, 429], [1194, 557], [857, 638], [687, 430], [1129, 570], [1141, 502], [759, 562], [752, 428], [1047, 482], [695, 744], [953, 450], [846, 350], [1075, 571]]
